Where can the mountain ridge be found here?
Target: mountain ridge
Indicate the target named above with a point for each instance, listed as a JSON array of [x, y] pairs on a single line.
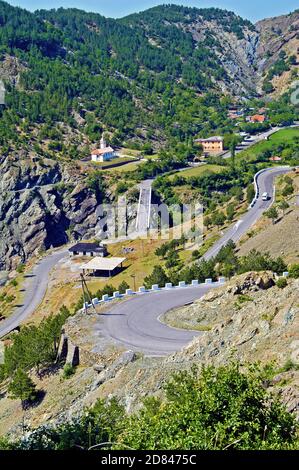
[[150, 86]]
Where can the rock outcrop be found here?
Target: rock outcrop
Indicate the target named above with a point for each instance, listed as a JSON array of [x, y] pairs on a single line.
[[42, 205]]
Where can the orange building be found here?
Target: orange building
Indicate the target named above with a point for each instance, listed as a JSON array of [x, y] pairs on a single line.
[[212, 145], [258, 118]]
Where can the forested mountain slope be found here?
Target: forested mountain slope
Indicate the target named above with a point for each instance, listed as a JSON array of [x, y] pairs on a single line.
[[151, 81], [151, 76], [90, 72]]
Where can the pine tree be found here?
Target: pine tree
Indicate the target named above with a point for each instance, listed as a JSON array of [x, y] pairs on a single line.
[[22, 387]]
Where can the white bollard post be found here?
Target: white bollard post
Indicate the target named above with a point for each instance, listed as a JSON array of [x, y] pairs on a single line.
[[129, 292], [142, 290], [155, 287], [105, 298], [286, 274], [182, 284], [209, 281], [195, 282], [116, 295], [222, 280], [95, 301], [168, 285]]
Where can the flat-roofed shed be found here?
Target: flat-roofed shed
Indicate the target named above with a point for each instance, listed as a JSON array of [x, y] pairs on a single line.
[[104, 266]]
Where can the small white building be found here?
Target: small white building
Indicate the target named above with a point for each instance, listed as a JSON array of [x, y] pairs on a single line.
[[104, 153]]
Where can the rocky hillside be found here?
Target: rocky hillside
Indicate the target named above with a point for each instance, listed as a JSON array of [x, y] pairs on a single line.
[[250, 319], [149, 79], [228, 40], [41, 204], [278, 50]]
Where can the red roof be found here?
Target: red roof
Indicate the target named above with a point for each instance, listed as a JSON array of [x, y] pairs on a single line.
[[258, 118], [102, 151]]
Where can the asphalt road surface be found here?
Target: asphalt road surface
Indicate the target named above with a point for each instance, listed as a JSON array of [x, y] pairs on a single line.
[[265, 183], [257, 138], [135, 323], [35, 288], [144, 207]]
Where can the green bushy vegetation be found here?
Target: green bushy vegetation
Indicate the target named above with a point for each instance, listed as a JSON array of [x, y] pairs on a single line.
[[282, 283], [214, 409], [226, 264], [34, 347]]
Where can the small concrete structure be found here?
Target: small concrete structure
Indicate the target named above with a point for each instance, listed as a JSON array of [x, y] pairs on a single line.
[[105, 297], [129, 292], [209, 281], [88, 249], [104, 266], [195, 282], [73, 355], [62, 348], [222, 280], [286, 274], [142, 290], [155, 287], [182, 284], [168, 285], [116, 295]]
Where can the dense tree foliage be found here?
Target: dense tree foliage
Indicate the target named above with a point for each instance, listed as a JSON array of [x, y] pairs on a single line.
[[110, 74]]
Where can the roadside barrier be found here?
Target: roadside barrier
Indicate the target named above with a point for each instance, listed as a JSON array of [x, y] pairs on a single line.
[[155, 288]]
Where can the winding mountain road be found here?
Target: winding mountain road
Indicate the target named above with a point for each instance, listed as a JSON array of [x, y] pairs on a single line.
[[134, 322], [265, 182], [35, 287]]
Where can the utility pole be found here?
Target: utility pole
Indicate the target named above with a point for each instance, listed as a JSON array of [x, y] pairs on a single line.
[[86, 294]]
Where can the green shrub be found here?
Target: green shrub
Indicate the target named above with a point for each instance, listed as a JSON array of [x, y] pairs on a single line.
[[242, 299], [294, 271], [22, 387], [288, 366], [216, 409], [282, 283], [123, 287], [68, 371], [21, 268]]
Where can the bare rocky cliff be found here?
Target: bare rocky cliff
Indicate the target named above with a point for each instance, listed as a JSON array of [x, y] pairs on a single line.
[[277, 36], [42, 205], [247, 60], [238, 57]]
